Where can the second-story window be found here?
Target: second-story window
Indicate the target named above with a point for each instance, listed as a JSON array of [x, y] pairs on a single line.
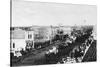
[[29, 36], [13, 45]]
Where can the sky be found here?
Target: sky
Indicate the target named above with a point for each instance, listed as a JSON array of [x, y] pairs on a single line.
[[29, 13]]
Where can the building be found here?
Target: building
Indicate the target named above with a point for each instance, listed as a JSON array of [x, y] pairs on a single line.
[[20, 39], [41, 33]]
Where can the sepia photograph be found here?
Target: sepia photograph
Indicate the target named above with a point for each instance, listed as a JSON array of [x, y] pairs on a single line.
[[45, 33]]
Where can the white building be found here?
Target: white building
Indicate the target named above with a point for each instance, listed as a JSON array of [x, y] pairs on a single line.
[[20, 38], [29, 38]]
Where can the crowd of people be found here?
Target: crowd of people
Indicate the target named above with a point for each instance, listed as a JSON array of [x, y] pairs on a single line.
[[72, 48], [82, 41]]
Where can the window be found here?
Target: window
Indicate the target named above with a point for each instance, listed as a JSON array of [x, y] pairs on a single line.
[[13, 45], [29, 36]]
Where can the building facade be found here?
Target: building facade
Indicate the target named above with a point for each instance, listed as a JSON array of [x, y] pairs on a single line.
[[20, 39]]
